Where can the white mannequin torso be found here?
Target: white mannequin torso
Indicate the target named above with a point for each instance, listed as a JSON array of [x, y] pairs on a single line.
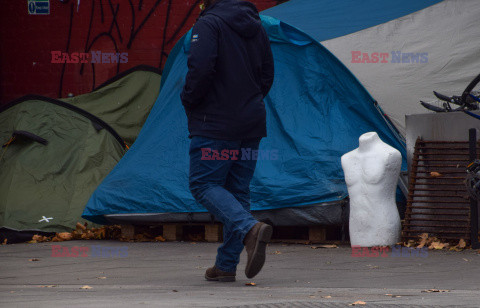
[[371, 173]]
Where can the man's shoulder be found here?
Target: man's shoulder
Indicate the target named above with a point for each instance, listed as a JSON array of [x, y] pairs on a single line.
[[209, 20]]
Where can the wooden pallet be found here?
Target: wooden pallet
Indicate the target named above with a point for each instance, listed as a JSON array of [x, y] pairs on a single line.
[[177, 232], [438, 203], [213, 232]]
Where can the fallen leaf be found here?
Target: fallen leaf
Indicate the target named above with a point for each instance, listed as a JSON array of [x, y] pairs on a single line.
[[434, 291], [144, 237], [357, 303], [86, 287], [39, 238], [423, 240], [66, 236], [312, 296], [328, 296], [89, 235], [389, 294], [79, 226], [410, 243], [430, 240], [100, 234], [34, 259], [324, 246], [4, 242], [435, 174], [48, 286], [277, 252], [465, 259], [160, 239], [460, 246], [438, 245], [251, 284], [101, 277]]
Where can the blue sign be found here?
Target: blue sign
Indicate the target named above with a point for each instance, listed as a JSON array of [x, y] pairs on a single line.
[[39, 7]]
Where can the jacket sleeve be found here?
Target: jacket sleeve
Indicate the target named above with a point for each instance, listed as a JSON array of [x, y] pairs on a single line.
[[201, 64], [267, 68]]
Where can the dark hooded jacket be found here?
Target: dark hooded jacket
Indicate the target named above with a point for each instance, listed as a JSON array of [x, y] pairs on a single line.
[[230, 71]]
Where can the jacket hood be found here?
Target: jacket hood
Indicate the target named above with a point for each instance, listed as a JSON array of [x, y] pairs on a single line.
[[241, 16]]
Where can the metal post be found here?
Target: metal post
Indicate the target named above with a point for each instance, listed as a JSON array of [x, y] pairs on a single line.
[[473, 203]]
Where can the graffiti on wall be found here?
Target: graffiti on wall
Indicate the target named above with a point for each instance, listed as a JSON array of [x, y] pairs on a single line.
[[81, 44], [104, 25]]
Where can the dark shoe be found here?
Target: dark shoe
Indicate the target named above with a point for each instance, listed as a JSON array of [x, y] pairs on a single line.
[[214, 274], [255, 244]]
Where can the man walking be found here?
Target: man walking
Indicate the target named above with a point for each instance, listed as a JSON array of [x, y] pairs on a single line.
[[230, 71]]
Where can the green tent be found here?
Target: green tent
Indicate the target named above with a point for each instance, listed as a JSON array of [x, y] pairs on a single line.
[[124, 101], [54, 153]]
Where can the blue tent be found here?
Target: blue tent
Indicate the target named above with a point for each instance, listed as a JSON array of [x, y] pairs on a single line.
[[316, 111]]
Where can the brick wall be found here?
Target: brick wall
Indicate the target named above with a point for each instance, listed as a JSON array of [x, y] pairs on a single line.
[[144, 29]]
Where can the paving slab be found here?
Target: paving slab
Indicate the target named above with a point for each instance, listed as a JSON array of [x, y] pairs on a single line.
[[170, 274]]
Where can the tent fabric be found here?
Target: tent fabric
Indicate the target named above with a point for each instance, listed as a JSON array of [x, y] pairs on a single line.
[[316, 111], [445, 33], [84, 139], [328, 214], [59, 155], [124, 101], [328, 19]]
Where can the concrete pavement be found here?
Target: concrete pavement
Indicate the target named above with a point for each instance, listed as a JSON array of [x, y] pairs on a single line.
[[170, 274]]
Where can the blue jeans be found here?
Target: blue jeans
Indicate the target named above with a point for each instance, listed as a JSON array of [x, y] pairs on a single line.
[[221, 183]]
